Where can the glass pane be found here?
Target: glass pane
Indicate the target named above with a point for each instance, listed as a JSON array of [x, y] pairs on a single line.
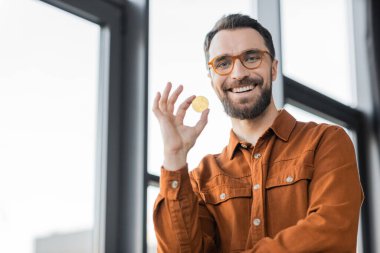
[[48, 108], [317, 46], [150, 235], [304, 116], [359, 246], [176, 55]]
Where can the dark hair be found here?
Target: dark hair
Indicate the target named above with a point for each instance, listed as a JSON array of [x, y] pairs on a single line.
[[234, 21]]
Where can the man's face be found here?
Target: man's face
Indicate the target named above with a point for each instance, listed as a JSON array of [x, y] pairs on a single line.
[[244, 93]]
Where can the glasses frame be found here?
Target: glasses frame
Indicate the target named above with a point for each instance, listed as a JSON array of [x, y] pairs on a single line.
[[239, 56]]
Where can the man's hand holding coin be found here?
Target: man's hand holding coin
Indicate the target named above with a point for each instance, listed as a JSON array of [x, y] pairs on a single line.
[[178, 138]]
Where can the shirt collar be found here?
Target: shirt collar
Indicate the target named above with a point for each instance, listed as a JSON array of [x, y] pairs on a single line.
[[282, 126], [232, 145]]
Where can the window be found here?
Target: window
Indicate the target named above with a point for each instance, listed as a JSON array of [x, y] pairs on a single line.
[[302, 115], [318, 46], [48, 105]]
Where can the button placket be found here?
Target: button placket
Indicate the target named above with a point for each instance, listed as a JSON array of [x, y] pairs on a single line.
[[257, 192], [258, 180]]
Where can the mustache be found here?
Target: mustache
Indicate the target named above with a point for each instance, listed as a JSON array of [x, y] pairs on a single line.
[[245, 81]]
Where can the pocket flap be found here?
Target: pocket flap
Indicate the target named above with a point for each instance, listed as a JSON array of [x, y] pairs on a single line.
[[221, 194], [289, 176]]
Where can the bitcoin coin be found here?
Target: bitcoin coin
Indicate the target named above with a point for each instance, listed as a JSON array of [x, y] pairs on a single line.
[[200, 104]]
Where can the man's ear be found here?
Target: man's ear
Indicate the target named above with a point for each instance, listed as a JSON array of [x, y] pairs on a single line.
[[274, 69]]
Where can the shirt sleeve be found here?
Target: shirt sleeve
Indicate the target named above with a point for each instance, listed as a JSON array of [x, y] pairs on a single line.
[[181, 220], [335, 197]]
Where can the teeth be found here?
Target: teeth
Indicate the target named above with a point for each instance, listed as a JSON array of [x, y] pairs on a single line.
[[243, 89]]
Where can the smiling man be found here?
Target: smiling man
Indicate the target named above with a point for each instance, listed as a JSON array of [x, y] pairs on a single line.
[[280, 185]]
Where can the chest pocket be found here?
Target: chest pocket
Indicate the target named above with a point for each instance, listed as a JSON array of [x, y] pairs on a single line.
[[289, 176], [287, 199], [230, 207], [220, 194]]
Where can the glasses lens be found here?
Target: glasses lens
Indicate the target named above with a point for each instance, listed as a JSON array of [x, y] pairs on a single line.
[[223, 64], [251, 59]]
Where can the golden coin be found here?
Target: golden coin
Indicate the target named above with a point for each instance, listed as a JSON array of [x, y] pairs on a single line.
[[200, 104]]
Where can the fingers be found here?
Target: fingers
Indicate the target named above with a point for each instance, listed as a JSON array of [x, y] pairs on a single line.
[[156, 110], [202, 122], [164, 103], [164, 98], [181, 112], [173, 99]]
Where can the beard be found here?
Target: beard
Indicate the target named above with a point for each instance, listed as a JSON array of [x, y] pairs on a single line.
[[246, 110]]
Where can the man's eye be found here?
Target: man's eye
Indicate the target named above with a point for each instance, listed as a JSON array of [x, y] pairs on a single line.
[[252, 58], [222, 64]]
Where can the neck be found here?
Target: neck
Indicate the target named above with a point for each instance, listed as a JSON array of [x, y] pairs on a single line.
[[250, 130]]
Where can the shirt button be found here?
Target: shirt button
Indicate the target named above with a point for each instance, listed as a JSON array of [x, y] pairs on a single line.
[[243, 145], [174, 184], [256, 187], [289, 179], [222, 196], [257, 155], [256, 222]]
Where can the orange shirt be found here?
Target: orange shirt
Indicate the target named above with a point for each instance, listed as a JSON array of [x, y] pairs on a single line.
[[296, 190]]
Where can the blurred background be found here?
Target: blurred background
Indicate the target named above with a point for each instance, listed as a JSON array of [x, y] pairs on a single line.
[[80, 149]]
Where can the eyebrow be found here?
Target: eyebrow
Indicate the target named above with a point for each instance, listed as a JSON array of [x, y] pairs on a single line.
[[222, 57], [251, 50]]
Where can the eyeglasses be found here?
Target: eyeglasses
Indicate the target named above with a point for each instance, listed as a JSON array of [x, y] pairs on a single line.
[[251, 59]]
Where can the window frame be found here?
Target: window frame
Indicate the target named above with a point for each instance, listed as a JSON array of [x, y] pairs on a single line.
[[109, 17]]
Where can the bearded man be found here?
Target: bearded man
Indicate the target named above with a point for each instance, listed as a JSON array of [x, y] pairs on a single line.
[[280, 185]]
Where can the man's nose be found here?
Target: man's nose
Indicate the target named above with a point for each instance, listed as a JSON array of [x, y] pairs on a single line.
[[239, 71]]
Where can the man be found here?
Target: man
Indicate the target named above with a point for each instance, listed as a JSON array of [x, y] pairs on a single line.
[[279, 186]]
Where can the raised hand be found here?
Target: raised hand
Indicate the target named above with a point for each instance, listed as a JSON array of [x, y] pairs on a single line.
[[178, 138]]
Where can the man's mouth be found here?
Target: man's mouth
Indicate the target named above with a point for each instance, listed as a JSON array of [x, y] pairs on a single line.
[[242, 89]]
